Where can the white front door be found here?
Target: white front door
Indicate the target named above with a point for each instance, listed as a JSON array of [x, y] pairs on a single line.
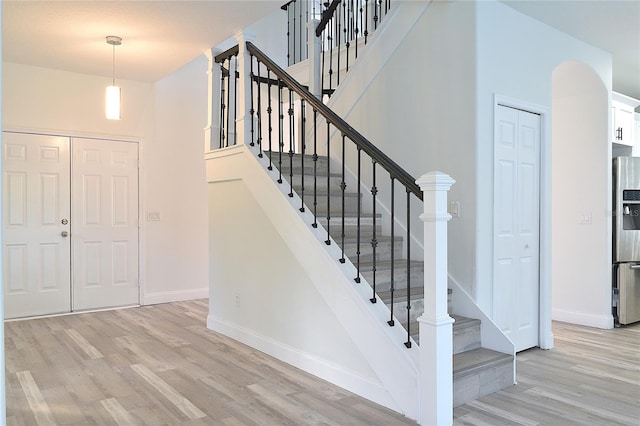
[[105, 226], [36, 208], [517, 225], [68, 246]]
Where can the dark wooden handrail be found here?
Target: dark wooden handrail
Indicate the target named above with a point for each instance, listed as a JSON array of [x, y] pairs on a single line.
[[232, 51], [394, 170], [326, 17]]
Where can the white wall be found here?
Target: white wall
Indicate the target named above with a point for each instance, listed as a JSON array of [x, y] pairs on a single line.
[[37, 98], [173, 250], [276, 286], [3, 400], [419, 110], [176, 247], [431, 108], [581, 187], [516, 57]]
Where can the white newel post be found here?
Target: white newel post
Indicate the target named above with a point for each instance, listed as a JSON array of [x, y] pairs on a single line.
[[436, 326], [243, 121], [315, 64], [211, 132]]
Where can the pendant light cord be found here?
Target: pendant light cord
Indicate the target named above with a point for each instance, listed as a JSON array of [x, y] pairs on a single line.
[[113, 75]]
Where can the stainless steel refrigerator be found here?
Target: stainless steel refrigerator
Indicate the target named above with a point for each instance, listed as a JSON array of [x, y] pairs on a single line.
[[626, 239]]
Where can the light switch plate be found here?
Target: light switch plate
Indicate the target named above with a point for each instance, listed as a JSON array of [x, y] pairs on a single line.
[[153, 215], [454, 208]]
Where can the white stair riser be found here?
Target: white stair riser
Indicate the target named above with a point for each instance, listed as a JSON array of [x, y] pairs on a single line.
[[483, 383], [334, 201], [383, 278]]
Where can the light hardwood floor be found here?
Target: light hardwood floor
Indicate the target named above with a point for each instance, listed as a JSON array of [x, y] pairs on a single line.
[[160, 365], [591, 377], [122, 368]]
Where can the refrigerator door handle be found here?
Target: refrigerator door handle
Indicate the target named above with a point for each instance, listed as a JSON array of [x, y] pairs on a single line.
[[634, 267]]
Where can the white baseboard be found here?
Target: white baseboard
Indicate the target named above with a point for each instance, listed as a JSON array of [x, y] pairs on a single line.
[[589, 320], [175, 296], [362, 386]]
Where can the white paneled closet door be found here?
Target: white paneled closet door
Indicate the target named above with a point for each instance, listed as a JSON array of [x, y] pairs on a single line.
[[516, 289], [105, 227], [36, 242]]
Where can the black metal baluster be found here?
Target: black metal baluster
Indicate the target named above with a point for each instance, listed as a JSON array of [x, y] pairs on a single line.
[[315, 169], [259, 112], [408, 342], [222, 104], [302, 134], [339, 40], [236, 74], [347, 38], [291, 137], [358, 216], [330, 38], [280, 130], [288, 33], [228, 138], [366, 20], [252, 109], [391, 321], [343, 187], [301, 24], [306, 32], [328, 240], [294, 33], [374, 241], [269, 113], [351, 19], [376, 4], [322, 54]]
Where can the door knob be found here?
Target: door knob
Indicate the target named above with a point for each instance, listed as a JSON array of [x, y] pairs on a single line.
[[65, 234]]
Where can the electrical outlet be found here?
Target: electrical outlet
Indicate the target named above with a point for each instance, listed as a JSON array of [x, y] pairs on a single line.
[[237, 299]]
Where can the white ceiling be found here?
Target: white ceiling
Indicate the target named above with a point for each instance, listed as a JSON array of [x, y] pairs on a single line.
[[160, 36], [611, 25]]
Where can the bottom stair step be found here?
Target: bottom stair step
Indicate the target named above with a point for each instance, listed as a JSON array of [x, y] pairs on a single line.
[[480, 372]]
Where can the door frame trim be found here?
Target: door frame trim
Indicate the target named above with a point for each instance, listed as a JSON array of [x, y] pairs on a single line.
[[141, 199], [545, 334]]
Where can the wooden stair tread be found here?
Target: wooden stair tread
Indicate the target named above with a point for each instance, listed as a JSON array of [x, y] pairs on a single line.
[[476, 360], [464, 322]]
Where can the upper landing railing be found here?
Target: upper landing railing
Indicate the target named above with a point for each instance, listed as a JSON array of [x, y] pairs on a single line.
[[340, 25]]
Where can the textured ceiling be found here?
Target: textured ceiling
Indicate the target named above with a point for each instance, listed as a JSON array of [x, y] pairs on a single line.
[[158, 36], [161, 36]]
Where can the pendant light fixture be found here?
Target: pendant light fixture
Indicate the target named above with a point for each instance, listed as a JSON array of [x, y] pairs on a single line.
[[113, 91]]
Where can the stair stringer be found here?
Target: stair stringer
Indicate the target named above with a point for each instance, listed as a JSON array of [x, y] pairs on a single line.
[[491, 336], [395, 366]]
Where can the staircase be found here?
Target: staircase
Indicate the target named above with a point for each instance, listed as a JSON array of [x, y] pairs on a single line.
[[477, 371]]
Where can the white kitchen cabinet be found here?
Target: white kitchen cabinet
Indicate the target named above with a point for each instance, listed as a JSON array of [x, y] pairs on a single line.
[[623, 119]]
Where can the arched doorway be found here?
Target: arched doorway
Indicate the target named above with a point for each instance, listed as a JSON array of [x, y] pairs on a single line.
[[581, 197]]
